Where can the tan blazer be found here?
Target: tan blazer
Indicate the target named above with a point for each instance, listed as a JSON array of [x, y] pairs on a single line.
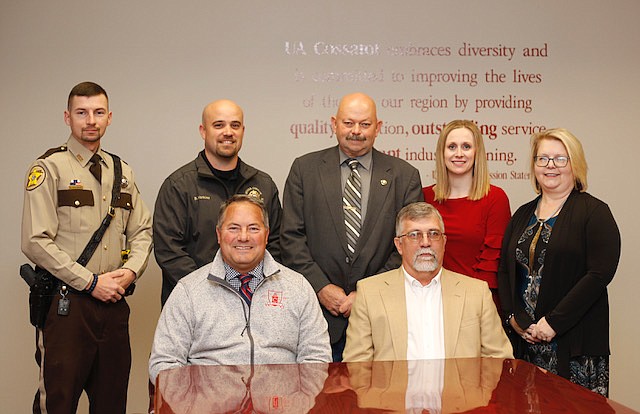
[[378, 323], [468, 383]]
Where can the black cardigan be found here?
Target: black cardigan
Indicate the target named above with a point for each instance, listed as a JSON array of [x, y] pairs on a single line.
[[581, 260]]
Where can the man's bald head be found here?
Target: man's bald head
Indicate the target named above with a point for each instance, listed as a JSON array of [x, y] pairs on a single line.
[[356, 124]]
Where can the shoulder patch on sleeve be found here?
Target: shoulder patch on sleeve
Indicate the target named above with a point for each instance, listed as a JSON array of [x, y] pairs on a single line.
[[35, 178]]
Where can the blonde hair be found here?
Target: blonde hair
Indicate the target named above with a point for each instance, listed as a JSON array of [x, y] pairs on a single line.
[[481, 182], [574, 151]]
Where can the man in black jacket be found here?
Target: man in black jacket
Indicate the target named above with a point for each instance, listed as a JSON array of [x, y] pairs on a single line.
[[186, 209]]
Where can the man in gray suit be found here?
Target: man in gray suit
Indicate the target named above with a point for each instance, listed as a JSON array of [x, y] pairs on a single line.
[[338, 219]]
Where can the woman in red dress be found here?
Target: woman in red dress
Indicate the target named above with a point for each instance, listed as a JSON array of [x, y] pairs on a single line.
[[475, 212]]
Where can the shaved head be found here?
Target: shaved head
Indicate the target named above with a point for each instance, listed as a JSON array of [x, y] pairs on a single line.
[[356, 124], [222, 130]]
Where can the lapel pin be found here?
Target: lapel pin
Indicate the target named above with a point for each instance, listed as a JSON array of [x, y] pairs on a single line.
[[384, 182]]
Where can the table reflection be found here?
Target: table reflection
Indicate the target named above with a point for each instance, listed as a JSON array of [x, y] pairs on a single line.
[[196, 389], [434, 386], [471, 385]]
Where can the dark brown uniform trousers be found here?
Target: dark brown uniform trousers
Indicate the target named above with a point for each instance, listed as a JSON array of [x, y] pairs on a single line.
[[88, 350]]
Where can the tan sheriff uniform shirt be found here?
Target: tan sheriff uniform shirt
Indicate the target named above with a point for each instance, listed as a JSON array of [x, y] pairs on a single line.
[[64, 205]]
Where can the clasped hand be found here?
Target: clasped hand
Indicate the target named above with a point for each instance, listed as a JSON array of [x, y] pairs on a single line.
[[536, 332], [333, 298], [112, 285]]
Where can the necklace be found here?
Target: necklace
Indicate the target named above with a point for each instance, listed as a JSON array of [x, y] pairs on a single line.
[[552, 214], [534, 242]]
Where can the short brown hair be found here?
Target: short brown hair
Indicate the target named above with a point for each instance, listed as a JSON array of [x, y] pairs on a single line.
[[86, 89]]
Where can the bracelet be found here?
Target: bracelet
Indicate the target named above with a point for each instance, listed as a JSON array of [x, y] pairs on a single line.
[[93, 284], [508, 320]]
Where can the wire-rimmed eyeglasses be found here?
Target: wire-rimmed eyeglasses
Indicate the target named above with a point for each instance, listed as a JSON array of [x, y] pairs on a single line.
[[417, 235]]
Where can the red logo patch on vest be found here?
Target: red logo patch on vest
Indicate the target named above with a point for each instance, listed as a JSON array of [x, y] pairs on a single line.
[[275, 298]]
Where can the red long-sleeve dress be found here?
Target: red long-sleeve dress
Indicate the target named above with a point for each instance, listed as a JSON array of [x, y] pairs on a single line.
[[474, 232]]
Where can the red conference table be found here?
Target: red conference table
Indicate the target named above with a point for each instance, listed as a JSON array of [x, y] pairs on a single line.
[[472, 385]]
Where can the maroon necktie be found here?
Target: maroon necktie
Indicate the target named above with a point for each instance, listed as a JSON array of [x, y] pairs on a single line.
[[245, 290]]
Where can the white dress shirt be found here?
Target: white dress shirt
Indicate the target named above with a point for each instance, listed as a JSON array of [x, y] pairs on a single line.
[[425, 323], [424, 386]]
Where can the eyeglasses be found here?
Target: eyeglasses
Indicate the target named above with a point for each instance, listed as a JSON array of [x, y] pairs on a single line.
[[417, 236], [557, 161]]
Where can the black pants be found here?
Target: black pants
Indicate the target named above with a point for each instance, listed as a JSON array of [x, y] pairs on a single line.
[[338, 348], [87, 350]]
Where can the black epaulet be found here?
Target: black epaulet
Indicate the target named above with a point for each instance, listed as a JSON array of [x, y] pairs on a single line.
[[53, 151]]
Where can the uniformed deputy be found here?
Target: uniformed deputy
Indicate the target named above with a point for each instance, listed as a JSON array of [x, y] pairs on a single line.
[[68, 192]]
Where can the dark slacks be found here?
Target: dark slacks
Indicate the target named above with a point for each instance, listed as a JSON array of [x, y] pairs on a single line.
[[88, 350]]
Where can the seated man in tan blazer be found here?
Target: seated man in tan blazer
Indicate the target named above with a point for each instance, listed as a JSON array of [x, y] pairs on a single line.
[[420, 310]]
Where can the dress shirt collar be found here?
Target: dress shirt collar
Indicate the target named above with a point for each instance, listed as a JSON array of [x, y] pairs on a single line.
[[414, 283], [364, 160], [231, 273], [81, 153]]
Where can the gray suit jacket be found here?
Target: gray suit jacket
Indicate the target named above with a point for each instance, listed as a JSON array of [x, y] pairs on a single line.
[[313, 236]]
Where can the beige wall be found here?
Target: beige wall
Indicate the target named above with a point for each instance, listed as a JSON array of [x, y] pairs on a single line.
[[161, 62]]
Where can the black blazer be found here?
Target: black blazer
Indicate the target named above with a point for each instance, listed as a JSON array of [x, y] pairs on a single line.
[[581, 260]]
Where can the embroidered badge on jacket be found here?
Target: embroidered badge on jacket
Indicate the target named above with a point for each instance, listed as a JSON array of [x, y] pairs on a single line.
[[255, 193], [275, 298]]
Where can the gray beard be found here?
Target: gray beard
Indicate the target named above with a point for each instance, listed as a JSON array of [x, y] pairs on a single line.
[[425, 265]]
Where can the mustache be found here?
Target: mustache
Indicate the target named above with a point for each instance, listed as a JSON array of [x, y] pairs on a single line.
[[352, 137], [423, 264], [425, 250]]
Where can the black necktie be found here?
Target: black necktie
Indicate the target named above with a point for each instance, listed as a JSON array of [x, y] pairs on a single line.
[[96, 167]]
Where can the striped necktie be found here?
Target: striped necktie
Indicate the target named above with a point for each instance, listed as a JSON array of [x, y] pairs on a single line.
[[245, 290], [352, 204]]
